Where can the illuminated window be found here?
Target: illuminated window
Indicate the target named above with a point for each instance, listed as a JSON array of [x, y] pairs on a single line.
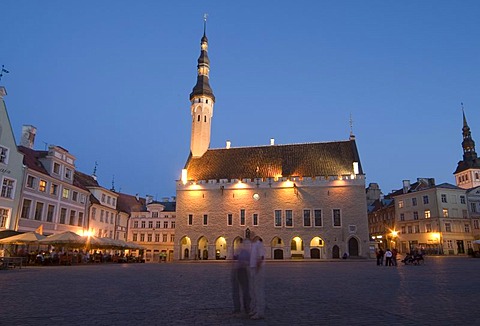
[[289, 218], [307, 219], [278, 218], [400, 204], [42, 186], [337, 220], [66, 193], [445, 212], [427, 213], [3, 217]]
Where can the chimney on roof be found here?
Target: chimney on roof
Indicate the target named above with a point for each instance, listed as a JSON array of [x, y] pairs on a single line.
[[28, 136], [406, 186], [228, 144], [272, 141]]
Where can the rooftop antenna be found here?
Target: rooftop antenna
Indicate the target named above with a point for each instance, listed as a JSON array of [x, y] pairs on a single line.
[[95, 169], [3, 70], [113, 183]]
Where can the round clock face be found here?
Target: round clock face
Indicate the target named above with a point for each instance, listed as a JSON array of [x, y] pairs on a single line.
[[256, 196]]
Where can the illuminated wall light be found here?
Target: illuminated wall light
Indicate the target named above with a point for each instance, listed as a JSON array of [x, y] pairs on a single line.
[[184, 176]]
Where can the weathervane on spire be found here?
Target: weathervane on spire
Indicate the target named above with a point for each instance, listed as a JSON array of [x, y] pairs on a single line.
[[3, 70], [205, 23], [113, 183], [95, 169], [351, 125]]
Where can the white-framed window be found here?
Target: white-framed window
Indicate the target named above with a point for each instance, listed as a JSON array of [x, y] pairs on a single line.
[[158, 224], [66, 193], [42, 185], [172, 224], [427, 213], [307, 218], [53, 189], [73, 214], [444, 198], [165, 224], [103, 198], [154, 214], [68, 173], [336, 217], [143, 224], [157, 237], [278, 218], [135, 224], [82, 199], [476, 224], [31, 181], [38, 211], [50, 212], [8, 187], [289, 218], [149, 237], [425, 199], [4, 214], [402, 217], [56, 168], [63, 215], [74, 196], [3, 155], [445, 212], [142, 237], [150, 224]]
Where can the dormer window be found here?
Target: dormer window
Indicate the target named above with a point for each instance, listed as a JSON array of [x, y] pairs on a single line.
[[56, 168]]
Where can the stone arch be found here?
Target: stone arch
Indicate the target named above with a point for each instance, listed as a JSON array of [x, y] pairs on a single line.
[[353, 247], [185, 248], [235, 245], [335, 252], [296, 248], [220, 248], [317, 248], [277, 246], [202, 248]]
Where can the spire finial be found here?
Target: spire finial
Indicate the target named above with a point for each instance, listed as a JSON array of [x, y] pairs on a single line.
[[352, 136], [113, 183], [3, 70], [205, 15], [95, 169]]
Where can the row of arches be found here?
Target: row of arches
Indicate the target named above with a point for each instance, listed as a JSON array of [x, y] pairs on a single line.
[[276, 248]]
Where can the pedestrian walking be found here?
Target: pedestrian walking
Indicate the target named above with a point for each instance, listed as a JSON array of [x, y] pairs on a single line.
[[257, 280], [240, 284], [388, 257]]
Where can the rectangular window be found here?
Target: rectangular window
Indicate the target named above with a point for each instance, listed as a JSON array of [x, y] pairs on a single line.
[[462, 200], [164, 237], [135, 237], [467, 228], [82, 199], [402, 217], [7, 188], [448, 227], [63, 215], [27, 203], [242, 217], [403, 230], [109, 199], [172, 237], [42, 186], [3, 217], [317, 216], [50, 212], [30, 182], [445, 212], [66, 193], [143, 224], [307, 219], [38, 211], [400, 204], [428, 227], [444, 198], [473, 207], [102, 214], [427, 213], [150, 224], [417, 229], [111, 218], [425, 199], [229, 219], [410, 229], [107, 214], [53, 189], [464, 213], [3, 155], [172, 224], [157, 237], [154, 214], [450, 244], [56, 168], [414, 201], [68, 173], [80, 219], [289, 218], [255, 219], [158, 224], [103, 198], [74, 196], [415, 215], [205, 219], [142, 237], [476, 224], [135, 224], [165, 224], [190, 219], [337, 220], [278, 218], [73, 214], [149, 237]]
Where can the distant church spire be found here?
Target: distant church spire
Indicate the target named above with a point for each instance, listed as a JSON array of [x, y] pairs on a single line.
[[202, 100], [468, 144]]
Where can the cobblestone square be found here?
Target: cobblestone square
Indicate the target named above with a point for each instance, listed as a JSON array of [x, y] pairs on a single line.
[[444, 291]]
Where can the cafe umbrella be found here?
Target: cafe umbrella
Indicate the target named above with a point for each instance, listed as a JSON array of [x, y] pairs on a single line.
[[23, 238]]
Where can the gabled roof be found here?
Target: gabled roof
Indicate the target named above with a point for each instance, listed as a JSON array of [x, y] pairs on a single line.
[[31, 159], [307, 160], [128, 203], [84, 181]]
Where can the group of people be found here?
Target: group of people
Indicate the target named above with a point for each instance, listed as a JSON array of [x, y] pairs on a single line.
[[390, 257], [248, 278]]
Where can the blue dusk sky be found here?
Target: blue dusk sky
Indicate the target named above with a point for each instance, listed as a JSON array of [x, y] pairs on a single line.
[[110, 81]]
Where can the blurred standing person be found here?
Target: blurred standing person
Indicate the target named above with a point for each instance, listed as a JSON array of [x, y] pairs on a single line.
[[394, 256], [388, 258], [240, 284], [257, 280]]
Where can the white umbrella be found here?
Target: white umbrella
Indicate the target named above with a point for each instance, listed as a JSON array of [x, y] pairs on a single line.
[[24, 238], [67, 238]]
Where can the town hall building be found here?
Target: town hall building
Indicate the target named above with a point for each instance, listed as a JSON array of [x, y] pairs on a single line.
[[306, 201]]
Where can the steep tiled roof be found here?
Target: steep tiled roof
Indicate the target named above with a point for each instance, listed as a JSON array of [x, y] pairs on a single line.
[[308, 160], [128, 203], [31, 159], [83, 180]]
